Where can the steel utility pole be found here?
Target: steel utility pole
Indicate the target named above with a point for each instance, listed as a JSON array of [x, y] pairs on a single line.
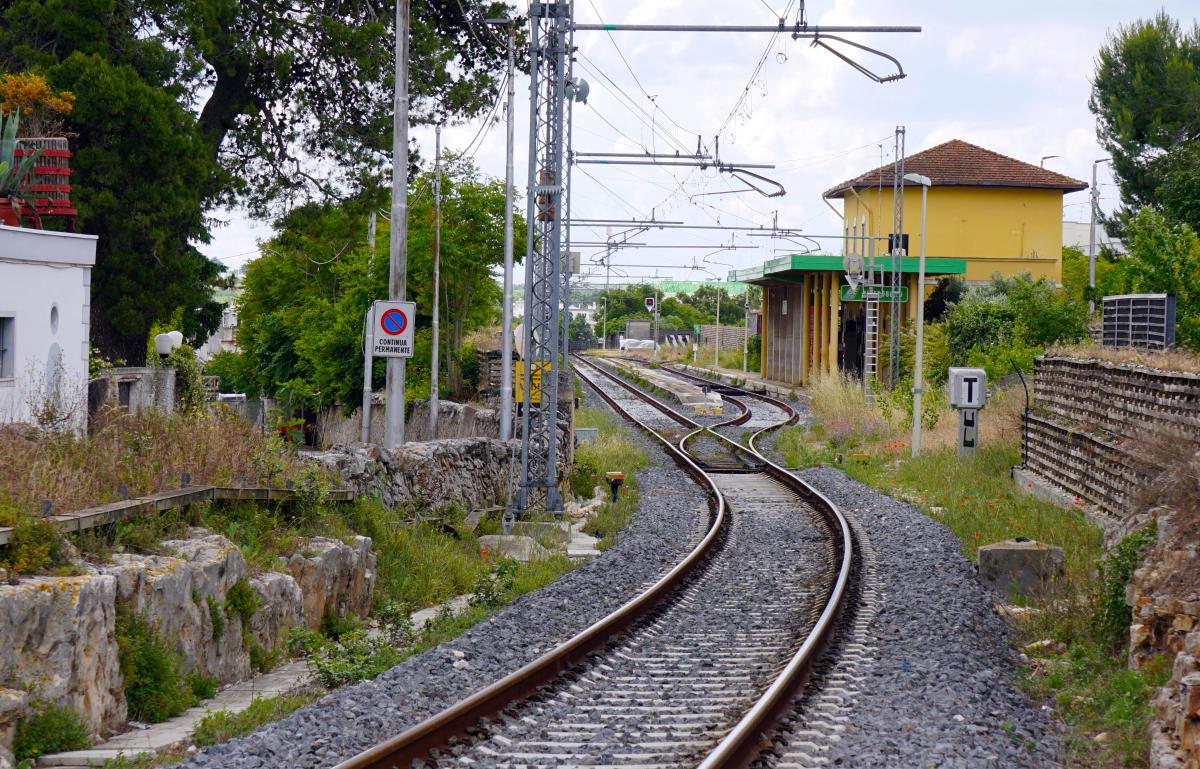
[[1095, 195], [549, 51], [506, 343], [897, 278], [398, 232], [437, 276]]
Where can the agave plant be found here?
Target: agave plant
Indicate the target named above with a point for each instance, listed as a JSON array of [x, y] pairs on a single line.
[[12, 173]]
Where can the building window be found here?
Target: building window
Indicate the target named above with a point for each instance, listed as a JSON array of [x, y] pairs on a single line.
[[8, 355]]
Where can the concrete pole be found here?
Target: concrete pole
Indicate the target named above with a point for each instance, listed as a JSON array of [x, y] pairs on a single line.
[[368, 361], [1095, 195], [437, 278], [398, 233], [368, 340], [918, 378], [506, 344]]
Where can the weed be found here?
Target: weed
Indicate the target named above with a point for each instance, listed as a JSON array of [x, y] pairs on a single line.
[[355, 656], [222, 726], [216, 615], [50, 729], [264, 660], [396, 620], [613, 450], [35, 545], [154, 686], [241, 601], [334, 626], [1113, 615], [492, 590], [202, 687]]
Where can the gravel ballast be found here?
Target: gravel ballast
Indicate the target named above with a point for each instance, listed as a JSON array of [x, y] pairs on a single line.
[[936, 686], [672, 515]]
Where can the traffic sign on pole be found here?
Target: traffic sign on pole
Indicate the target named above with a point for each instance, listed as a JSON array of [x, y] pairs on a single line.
[[392, 329]]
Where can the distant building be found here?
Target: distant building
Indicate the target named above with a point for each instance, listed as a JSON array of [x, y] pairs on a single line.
[[1078, 235], [223, 339], [987, 214], [45, 305]]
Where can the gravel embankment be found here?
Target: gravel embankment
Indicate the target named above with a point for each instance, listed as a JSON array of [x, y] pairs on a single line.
[[937, 671], [672, 515]]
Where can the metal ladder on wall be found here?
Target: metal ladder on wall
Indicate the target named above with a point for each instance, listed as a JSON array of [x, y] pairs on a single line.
[[870, 347]]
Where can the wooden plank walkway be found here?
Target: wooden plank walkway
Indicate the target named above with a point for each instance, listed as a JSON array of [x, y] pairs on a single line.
[[167, 500]]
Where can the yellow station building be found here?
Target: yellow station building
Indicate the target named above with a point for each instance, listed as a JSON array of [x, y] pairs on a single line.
[[987, 214]]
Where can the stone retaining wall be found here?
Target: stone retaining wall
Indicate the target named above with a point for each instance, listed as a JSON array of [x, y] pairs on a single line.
[[471, 472], [59, 633]]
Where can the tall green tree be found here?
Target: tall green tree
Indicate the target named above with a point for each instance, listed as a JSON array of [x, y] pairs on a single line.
[[1146, 98], [302, 305], [1164, 257]]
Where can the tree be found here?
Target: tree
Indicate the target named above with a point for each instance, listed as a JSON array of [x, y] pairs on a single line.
[[302, 305], [292, 82], [1146, 98], [1165, 258]]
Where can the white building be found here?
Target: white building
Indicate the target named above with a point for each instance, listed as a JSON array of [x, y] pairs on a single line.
[[1078, 235], [45, 301]]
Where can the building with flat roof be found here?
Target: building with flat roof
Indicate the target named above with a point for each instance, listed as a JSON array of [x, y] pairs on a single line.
[[45, 298], [987, 214]]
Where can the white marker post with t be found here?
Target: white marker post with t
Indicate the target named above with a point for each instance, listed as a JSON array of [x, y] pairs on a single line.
[[968, 394]]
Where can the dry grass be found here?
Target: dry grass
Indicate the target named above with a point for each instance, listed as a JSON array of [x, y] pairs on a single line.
[[146, 453], [999, 422], [841, 408], [1178, 360]]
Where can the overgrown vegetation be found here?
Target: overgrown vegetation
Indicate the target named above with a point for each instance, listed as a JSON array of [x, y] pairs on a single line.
[[155, 686], [613, 450], [49, 729], [222, 726], [1075, 637]]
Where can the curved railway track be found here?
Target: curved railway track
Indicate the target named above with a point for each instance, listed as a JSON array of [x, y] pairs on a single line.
[[690, 672]]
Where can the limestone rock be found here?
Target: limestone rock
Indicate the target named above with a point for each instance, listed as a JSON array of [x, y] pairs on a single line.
[[13, 705], [58, 637], [172, 591], [521, 548], [335, 577], [282, 607]]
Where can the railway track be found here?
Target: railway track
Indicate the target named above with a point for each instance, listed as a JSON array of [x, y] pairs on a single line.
[[692, 671]]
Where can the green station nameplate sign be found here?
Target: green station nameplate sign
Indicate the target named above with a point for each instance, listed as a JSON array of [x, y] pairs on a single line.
[[881, 293]]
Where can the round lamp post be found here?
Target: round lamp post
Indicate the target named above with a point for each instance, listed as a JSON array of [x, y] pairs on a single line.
[[918, 378]]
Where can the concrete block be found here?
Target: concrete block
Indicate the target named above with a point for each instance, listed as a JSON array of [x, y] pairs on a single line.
[[1024, 566], [521, 548]]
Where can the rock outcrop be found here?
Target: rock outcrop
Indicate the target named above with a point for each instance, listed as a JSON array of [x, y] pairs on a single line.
[[173, 592], [58, 634], [1165, 596], [58, 641], [334, 577]]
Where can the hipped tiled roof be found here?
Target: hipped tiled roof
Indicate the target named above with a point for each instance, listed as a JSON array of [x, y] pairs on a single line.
[[960, 164]]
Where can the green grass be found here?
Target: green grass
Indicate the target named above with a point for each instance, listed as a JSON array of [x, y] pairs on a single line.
[[1085, 676], [613, 450], [49, 729], [223, 726]]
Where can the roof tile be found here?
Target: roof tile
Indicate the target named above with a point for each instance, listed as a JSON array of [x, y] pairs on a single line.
[[957, 163]]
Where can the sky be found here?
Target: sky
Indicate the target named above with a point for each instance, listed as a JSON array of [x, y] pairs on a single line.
[[1013, 77]]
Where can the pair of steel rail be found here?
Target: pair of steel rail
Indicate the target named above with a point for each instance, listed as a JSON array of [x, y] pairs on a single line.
[[741, 745]]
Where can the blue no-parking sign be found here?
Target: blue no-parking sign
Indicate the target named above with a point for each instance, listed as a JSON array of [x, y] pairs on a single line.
[[392, 329]]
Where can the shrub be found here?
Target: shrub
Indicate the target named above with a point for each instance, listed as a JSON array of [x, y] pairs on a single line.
[[154, 686], [35, 546], [51, 729], [355, 657], [334, 626], [216, 614], [492, 590], [1113, 615], [242, 601], [202, 687]]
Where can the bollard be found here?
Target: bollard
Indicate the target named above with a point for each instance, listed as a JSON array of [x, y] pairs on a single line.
[[968, 394], [615, 479]]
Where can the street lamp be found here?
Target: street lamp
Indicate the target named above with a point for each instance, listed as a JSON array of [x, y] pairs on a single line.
[[918, 378], [1095, 194], [1042, 163]]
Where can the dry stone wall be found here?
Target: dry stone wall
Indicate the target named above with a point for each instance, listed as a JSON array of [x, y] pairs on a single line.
[[471, 472], [59, 633]]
